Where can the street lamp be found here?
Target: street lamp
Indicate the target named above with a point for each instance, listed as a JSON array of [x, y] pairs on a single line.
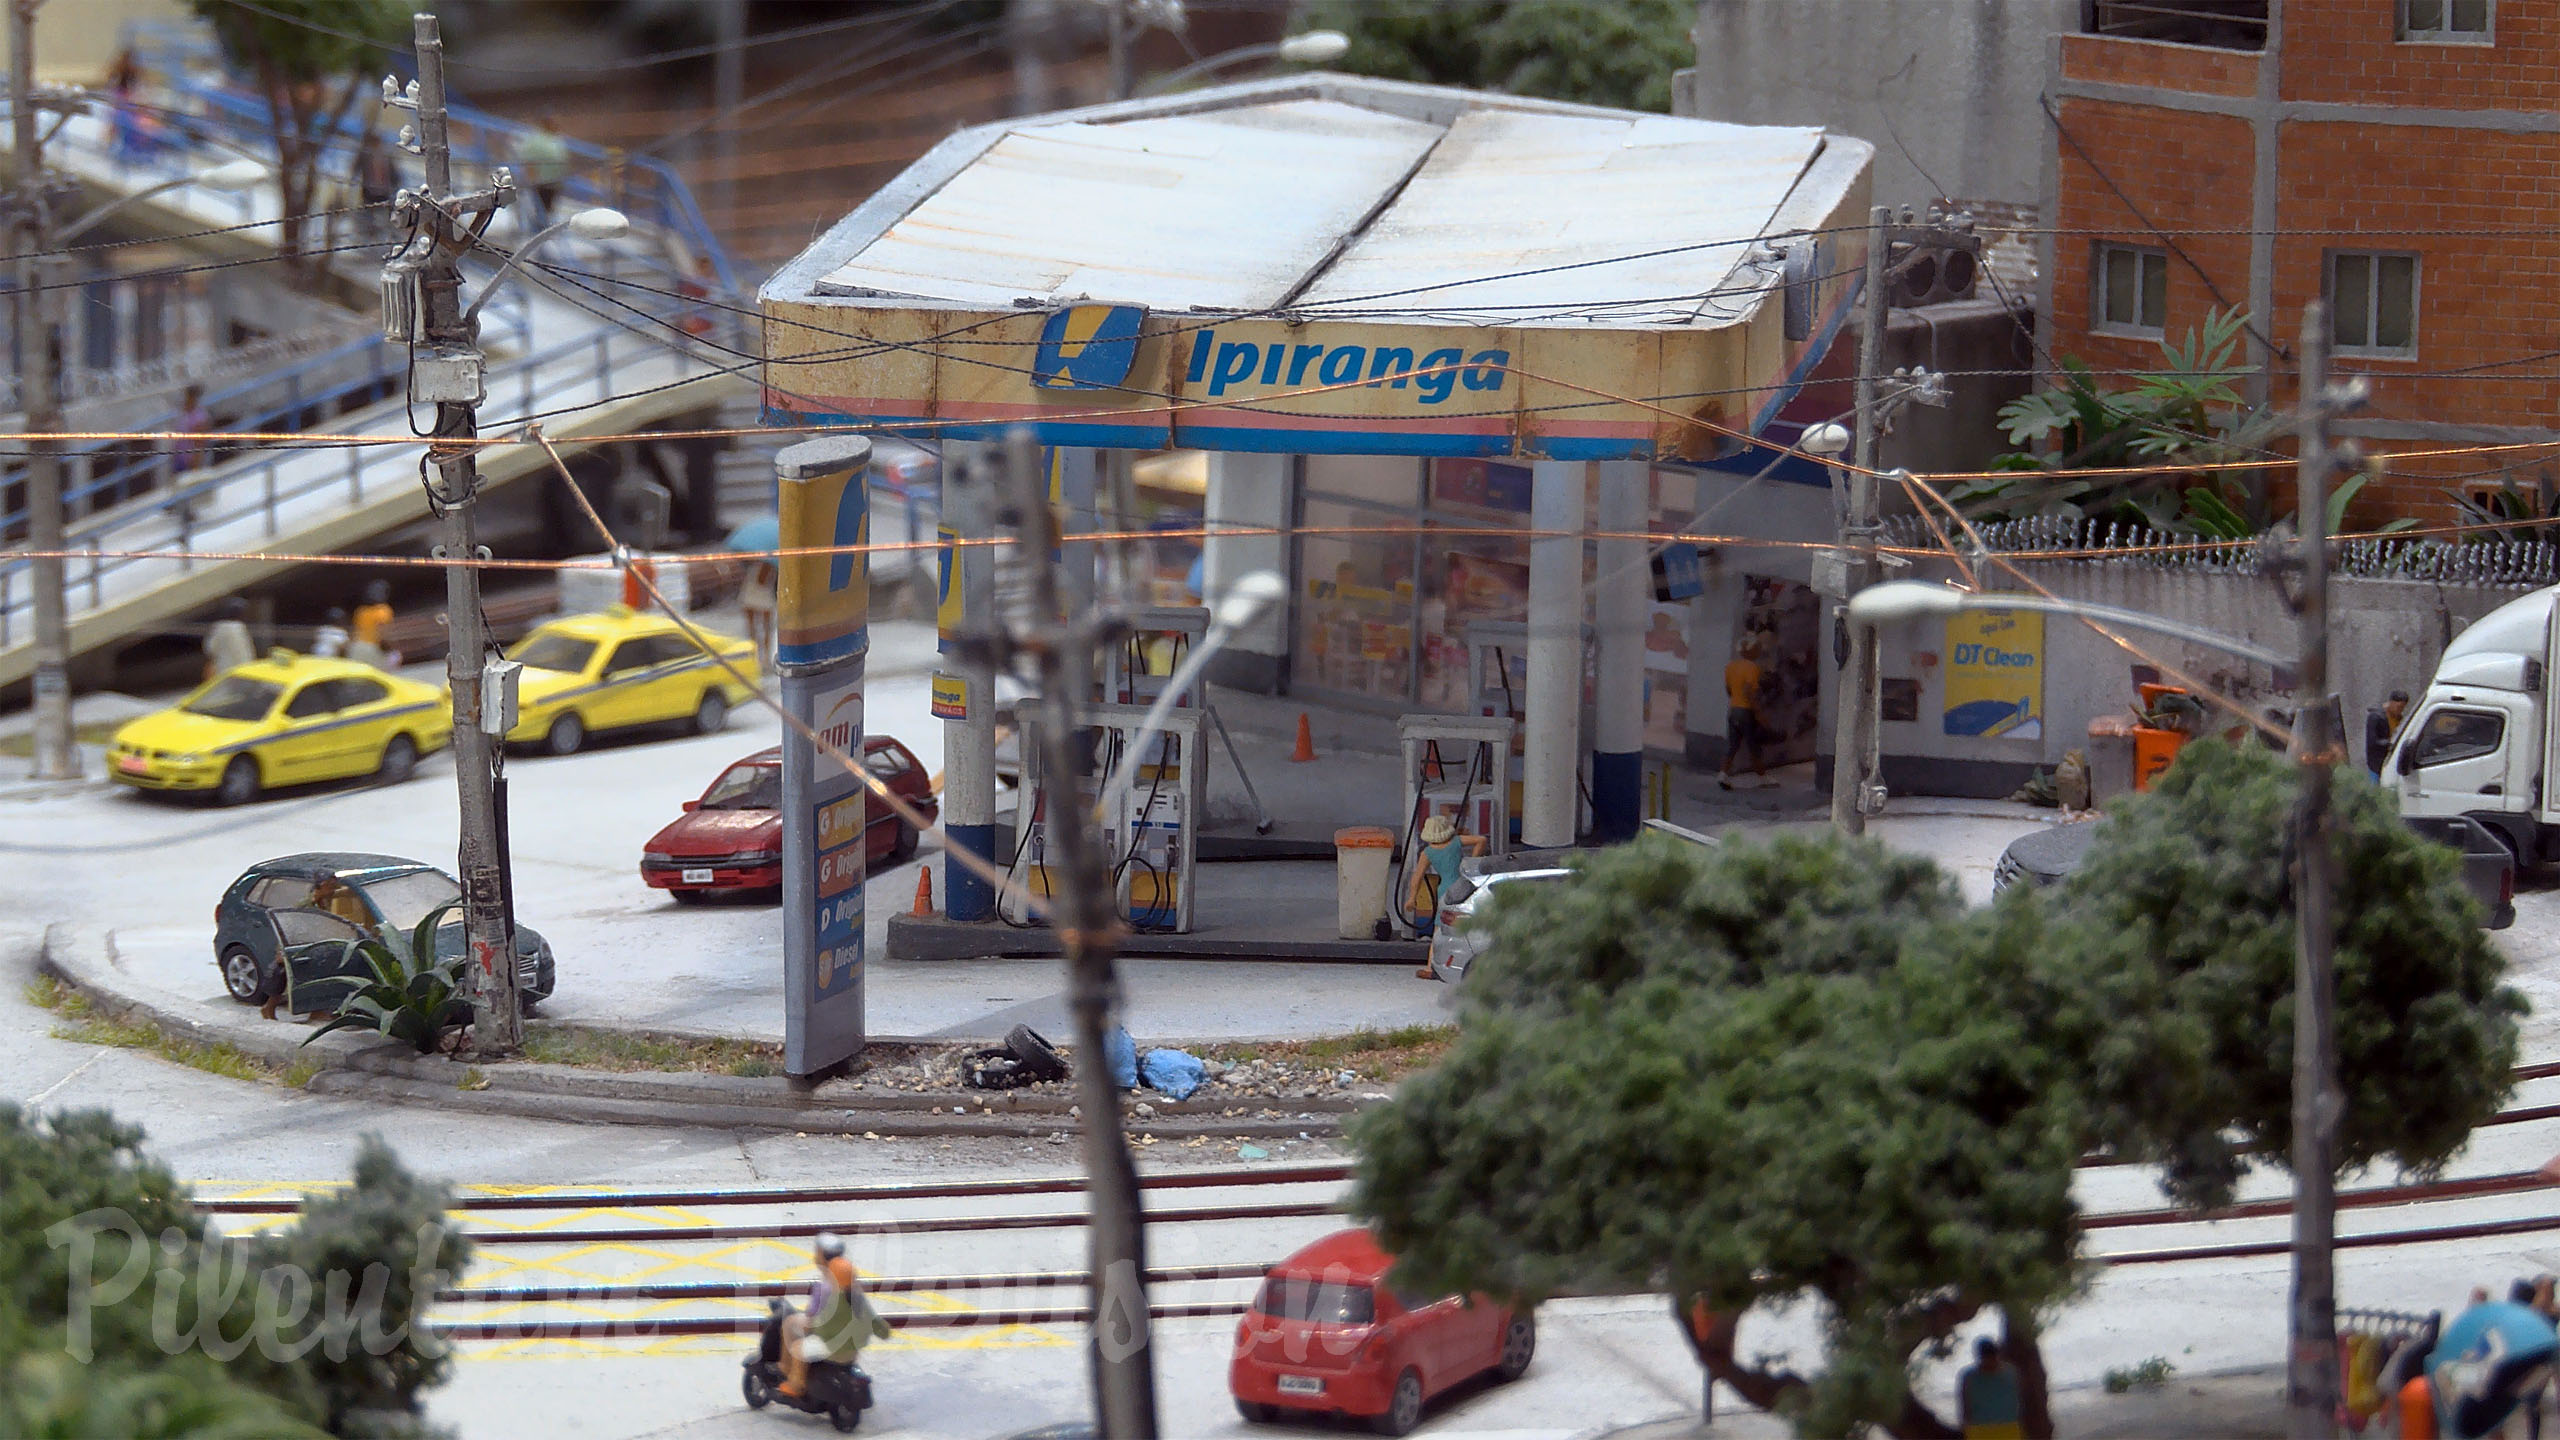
[[599, 225], [1896, 601], [40, 351], [1248, 597], [1315, 47], [229, 178]]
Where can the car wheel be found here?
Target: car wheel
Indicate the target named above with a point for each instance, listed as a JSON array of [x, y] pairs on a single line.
[[565, 735], [712, 715], [1519, 1342], [753, 1385], [845, 1417], [1257, 1412], [399, 760], [904, 847], [239, 782], [243, 976], [1404, 1410]]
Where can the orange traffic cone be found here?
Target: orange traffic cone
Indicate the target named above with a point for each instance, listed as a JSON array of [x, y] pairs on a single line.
[[1306, 741], [924, 890]]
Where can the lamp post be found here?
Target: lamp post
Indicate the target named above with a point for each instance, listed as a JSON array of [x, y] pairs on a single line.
[[1315, 47], [1896, 601], [40, 396]]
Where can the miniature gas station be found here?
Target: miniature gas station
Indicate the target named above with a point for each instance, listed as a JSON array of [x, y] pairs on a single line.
[[1447, 353]]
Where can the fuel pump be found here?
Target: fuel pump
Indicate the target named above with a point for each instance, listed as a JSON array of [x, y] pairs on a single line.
[[1135, 672], [1498, 685], [1453, 769], [1148, 835]]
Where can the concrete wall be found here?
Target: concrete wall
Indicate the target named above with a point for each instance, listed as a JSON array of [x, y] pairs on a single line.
[[2385, 635], [1945, 89]]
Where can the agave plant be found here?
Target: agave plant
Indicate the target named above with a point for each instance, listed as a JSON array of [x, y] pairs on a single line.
[[2509, 514], [2165, 427], [413, 996]]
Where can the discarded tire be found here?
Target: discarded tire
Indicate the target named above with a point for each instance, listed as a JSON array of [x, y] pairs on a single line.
[[1037, 1055]]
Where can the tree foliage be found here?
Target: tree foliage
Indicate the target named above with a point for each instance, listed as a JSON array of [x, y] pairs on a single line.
[[312, 59], [1757, 1073], [1804, 1070], [123, 1313], [1599, 52], [2176, 940]]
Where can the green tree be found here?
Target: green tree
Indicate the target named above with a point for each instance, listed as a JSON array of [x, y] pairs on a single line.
[[1600, 52], [1759, 1073], [2173, 956], [312, 59], [171, 1328]]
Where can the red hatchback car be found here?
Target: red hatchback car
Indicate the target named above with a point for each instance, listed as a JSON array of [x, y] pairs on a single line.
[[1330, 1334], [731, 838]]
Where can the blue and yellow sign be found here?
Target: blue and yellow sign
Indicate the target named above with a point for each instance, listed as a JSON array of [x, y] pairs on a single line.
[[1995, 674], [1088, 347], [823, 602]]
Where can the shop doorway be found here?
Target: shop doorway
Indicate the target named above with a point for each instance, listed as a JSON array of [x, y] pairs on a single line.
[[1783, 619]]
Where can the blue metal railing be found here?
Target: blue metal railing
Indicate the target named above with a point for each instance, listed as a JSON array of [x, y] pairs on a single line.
[[186, 505]]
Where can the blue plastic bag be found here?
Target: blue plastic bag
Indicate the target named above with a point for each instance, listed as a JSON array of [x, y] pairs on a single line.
[[1174, 1072], [1121, 1054]]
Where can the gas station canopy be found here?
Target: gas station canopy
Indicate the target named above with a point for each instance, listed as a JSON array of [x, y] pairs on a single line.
[[1327, 264]]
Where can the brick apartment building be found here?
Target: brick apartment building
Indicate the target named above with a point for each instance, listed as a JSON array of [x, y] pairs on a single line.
[[2401, 157]]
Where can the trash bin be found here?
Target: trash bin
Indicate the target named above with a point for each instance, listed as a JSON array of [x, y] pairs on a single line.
[[1360, 864]]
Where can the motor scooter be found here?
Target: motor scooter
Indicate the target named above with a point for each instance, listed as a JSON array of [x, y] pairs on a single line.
[[839, 1392]]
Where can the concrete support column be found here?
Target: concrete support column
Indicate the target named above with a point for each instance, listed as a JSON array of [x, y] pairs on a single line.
[[971, 471], [1247, 492], [1078, 481], [1553, 708], [1619, 604]]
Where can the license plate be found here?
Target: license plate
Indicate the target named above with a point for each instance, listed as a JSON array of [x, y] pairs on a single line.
[[697, 877], [1301, 1385], [133, 765]]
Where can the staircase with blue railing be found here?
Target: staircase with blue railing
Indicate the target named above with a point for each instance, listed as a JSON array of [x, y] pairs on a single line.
[[658, 340]]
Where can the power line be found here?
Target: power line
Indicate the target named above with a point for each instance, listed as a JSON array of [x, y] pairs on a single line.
[[634, 62]]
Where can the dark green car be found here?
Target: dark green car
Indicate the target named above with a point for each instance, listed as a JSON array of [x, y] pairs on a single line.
[[281, 928]]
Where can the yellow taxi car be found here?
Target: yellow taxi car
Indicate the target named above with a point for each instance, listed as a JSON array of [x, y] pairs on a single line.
[[283, 720], [618, 669]]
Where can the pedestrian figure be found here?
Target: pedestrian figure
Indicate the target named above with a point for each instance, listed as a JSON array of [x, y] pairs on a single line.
[[542, 163], [1987, 1406], [227, 645], [1742, 676], [2381, 727], [756, 599], [364, 632], [329, 642], [132, 128]]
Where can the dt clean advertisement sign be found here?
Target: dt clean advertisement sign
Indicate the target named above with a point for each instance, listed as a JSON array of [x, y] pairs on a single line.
[[1995, 674]]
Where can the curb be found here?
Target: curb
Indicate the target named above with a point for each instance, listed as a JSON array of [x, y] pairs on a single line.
[[937, 937], [361, 1068]]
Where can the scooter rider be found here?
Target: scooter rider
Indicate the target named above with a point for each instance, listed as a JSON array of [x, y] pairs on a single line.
[[835, 1325]]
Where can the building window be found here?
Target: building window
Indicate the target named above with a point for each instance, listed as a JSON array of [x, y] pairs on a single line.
[[2133, 290], [2454, 22], [2373, 303]]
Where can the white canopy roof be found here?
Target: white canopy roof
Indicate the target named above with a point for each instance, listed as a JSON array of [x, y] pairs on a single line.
[[1340, 198]]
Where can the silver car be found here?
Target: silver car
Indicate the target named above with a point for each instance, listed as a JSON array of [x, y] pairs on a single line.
[[1455, 939]]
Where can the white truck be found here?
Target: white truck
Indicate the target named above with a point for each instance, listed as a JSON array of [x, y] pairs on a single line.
[[2482, 742]]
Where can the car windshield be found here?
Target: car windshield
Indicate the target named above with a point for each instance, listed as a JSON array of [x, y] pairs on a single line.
[[747, 787], [235, 697], [555, 652], [404, 900], [1288, 1297]]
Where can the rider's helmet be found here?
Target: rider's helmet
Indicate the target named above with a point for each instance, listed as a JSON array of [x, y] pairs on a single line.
[[830, 1246]]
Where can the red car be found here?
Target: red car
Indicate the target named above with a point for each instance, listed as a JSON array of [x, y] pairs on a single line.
[[731, 838], [1330, 1334]]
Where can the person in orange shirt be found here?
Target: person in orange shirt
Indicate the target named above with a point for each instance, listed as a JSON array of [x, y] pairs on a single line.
[[1742, 711]]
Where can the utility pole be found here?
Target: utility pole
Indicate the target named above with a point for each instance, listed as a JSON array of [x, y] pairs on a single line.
[[2311, 1370], [40, 356], [1855, 565], [422, 294], [1088, 928], [1116, 31], [1858, 525]]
